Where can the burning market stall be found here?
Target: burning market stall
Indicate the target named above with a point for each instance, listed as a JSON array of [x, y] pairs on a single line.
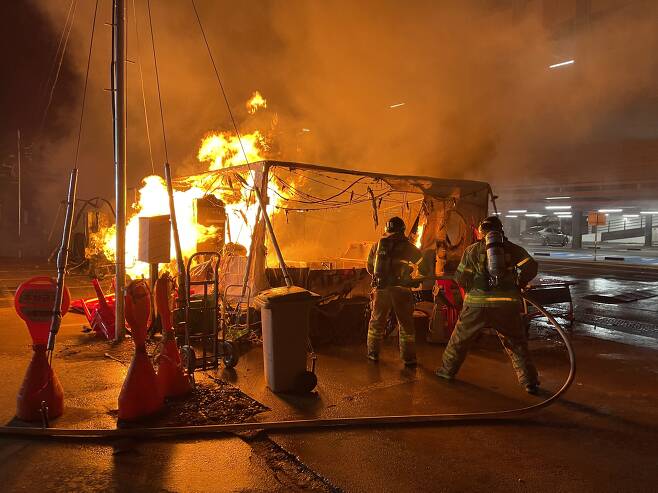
[[326, 219]]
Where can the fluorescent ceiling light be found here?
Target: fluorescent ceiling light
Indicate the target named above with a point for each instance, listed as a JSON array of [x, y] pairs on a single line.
[[397, 105], [564, 216], [511, 215], [518, 211], [533, 214], [557, 198], [631, 215], [648, 212], [562, 64], [611, 210], [562, 213], [557, 207]]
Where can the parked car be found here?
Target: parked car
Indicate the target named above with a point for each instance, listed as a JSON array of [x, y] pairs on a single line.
[[545, 236]]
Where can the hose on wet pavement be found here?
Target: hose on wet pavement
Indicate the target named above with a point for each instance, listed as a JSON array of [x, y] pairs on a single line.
[[306, 424]]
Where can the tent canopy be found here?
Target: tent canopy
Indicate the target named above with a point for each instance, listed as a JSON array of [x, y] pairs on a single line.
[[328, 217]]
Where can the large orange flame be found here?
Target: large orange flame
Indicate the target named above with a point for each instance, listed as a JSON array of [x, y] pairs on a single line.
[[256, 102], [219, 150]]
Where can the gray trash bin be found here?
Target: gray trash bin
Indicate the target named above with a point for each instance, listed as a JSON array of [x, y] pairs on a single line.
[[285, 316]]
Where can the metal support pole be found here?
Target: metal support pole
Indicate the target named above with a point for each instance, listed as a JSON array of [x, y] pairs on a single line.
[[119, 101], [182, 289], [62, 259], [270, 230], [250, 257], [20, 194]]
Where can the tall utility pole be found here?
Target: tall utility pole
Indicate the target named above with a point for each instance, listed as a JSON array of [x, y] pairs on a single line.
[[119, 102], [20, 193]]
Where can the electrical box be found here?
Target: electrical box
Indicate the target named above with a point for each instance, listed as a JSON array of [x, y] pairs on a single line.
[[210, 212], [154, 240]]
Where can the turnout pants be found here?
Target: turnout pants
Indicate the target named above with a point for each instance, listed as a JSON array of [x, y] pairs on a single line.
[[401, 301], [506, 321]]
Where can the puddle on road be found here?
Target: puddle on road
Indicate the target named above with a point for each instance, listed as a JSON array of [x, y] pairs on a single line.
[[616, 336], [616, 356]]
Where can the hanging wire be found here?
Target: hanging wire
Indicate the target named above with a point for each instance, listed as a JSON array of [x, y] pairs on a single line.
[[44, 84], [157, 82], [84, 91], [325, 199], [141, 80], [221, 85], [59, 68], [315, 180], [294, 190]]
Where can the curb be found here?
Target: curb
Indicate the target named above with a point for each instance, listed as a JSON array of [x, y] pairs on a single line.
[[601, 264]]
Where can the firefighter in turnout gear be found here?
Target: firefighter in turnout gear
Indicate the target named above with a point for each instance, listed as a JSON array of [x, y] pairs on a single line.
[[492, 272], [390, 264]]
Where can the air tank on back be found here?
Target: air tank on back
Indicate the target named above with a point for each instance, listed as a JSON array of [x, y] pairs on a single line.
[[496, 266]]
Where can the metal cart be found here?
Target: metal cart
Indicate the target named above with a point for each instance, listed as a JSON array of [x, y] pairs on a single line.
[[201, 326]]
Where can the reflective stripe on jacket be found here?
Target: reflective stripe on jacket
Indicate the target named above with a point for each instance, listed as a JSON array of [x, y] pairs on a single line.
[[472, 274]]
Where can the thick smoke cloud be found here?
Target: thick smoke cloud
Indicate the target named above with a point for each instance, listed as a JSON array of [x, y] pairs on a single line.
[[480, 101]]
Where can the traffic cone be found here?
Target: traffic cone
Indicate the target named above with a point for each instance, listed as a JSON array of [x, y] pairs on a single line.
[[41, 397], [172, 379], [140, 395]]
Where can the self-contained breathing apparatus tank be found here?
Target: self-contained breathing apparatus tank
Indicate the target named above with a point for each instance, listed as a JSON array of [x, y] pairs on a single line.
[[383, 268], [496, 263]]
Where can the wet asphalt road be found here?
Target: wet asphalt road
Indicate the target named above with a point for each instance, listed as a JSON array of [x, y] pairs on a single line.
[[601, 437]]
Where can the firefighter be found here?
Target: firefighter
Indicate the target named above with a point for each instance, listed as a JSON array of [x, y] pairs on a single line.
[[390, 263], [492, 272]]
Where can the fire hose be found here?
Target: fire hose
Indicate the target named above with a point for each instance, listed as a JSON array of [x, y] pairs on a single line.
[[306, 424]]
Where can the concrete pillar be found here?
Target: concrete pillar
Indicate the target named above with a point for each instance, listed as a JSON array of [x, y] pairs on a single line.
[[514, 228], [648, 230], [577, 221]]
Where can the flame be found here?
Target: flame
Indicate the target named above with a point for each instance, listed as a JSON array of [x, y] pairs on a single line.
[[219, 150], [256, 102], [419, 235], [226, 149], [154, 201]]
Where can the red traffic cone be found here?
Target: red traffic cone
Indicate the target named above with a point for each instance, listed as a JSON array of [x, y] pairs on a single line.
[[172, 379], [41, 396], [41, 391], [140, 395]]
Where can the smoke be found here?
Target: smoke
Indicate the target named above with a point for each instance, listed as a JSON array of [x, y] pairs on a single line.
[[479, 99]]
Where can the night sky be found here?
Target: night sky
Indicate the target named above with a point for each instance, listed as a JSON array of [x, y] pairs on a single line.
[[28, 45]]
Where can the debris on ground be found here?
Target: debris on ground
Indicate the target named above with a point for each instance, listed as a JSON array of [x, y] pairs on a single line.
[[211, 402]]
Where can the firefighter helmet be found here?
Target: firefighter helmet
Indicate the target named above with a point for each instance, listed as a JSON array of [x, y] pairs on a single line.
[[491, 223], [395, 225]]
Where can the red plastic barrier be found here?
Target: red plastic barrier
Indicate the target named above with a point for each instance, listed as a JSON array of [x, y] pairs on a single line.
[[83, 305], [450, 312], [40, 385], [41, 390], [140, 395], [101, 316], [172, 378]]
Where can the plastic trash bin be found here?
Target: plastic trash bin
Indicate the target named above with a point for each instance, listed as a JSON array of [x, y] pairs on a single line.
[[285, 324]]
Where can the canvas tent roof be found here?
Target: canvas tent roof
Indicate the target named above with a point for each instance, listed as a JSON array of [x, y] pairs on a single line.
[[437, 187]]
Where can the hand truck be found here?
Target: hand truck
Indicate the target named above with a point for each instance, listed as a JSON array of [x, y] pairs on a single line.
[[201, 327]]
